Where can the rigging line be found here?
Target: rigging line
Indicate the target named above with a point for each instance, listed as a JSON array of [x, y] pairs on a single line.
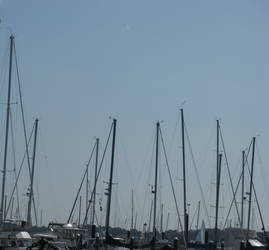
[[229, 174], [24, 124], [197, 175], [46, 167], [151, 162], [143, 210], [160, 181], [173, 137], [258, 205], [230, 208], [172, 186], [262, 169], [4, 70], [126, 160], [96, 219], [73, 217], [148, 177], [87, 166], [17, 178], [117, 200], [148, 152], [117, 205], [99, 170], [22, 110], [236, 189], [14, 157], [150, 214], [196, 211]]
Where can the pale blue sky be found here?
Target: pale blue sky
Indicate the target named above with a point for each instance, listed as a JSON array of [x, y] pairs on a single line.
[[83, 61]]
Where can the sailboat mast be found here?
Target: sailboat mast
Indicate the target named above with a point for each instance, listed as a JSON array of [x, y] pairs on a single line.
[[87, 193], [217, 188], [132, 219], [251, 183], [135, 221], [5, 207], [41, 215], [7, 129], [161, 219], [242, 199], [156, 179], [111, 177], [198, 215], [217, 198], [79, 210], [150, 215], [95, 179], [184, 179], [29, 222], [11, 211]]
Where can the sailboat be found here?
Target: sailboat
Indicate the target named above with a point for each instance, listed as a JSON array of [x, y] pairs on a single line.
[[131, 244], [244, 237], [13, 232]]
